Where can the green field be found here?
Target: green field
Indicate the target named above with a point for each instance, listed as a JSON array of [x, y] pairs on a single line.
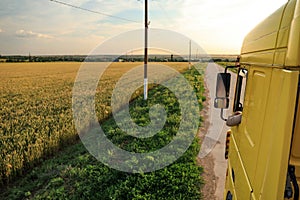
[[225, 64], [37, 126]]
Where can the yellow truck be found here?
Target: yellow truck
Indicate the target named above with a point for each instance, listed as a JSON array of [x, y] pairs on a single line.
[[263, 143]]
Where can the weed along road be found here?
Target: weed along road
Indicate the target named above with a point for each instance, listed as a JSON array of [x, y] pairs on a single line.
[[213, 144]]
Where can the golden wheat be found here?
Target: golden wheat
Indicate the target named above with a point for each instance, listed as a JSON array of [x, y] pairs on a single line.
[[36, 110]]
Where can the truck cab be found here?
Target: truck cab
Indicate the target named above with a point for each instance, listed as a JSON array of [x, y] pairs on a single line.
[[263, 142]]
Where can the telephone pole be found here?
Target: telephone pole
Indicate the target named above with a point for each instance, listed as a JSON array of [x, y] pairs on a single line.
[[190, 52], [146, 52]]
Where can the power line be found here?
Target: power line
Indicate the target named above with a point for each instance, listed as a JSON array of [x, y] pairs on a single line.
[[95, 12]]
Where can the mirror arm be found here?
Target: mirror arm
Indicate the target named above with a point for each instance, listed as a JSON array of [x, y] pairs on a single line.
[[221, 114]]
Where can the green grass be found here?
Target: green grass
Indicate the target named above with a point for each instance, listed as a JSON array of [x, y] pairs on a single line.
[[74, 174], [224, 64]]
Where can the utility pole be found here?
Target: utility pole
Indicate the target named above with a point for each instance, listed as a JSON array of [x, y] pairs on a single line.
[[29, 57], [146, 52], [190, 51]]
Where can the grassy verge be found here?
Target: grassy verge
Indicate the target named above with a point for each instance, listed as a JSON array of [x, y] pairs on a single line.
[[224, 64], [75, 174]]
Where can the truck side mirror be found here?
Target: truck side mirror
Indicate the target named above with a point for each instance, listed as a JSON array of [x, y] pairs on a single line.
[[222, 91]]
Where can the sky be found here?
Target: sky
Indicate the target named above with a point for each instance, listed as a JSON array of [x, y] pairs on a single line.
[[45, 27]]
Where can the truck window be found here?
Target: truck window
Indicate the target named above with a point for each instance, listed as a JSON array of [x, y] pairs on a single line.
[[240, 90]]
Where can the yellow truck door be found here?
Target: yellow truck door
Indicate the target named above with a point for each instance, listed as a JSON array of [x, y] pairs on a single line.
[[272, 162], [249, 133], [263, 137]]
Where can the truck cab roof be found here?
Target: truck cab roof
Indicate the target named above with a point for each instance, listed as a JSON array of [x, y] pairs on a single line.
[[276, 40]]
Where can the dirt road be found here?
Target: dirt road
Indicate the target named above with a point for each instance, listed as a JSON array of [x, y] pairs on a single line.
[[213, 136]]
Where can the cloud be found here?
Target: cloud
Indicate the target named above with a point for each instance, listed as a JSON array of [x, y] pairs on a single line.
[[30, 34], [1, 30]]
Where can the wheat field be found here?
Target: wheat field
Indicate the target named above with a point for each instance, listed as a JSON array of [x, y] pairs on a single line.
[[36, 110]]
